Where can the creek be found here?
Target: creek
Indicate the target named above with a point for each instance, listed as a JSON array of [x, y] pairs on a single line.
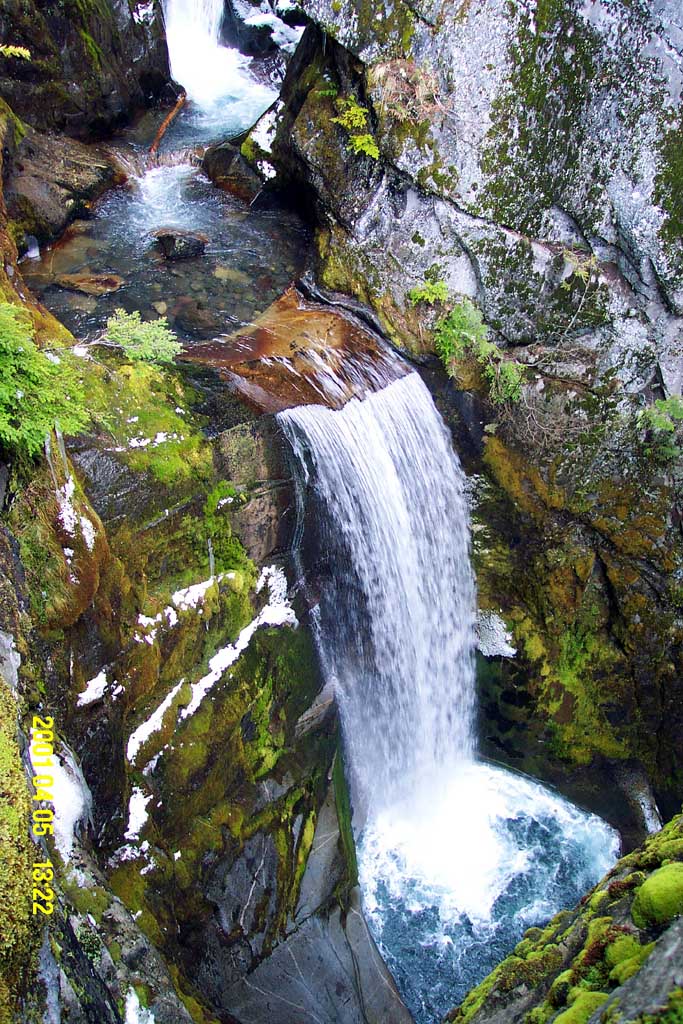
[[457, 857]]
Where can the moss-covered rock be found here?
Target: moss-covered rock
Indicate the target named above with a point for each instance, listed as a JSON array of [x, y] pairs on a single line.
[[18, 931], [660, 898], [92, 62]]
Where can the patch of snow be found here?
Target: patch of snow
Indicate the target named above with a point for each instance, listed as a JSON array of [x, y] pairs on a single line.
[[493, 637], [135, 1013], [152, 725], [72, 800], [137, 813], [191, 596], [94, 689], [81, 351], [53, 358], [283, 35], [67, 512], [278, 612], [88, 532]]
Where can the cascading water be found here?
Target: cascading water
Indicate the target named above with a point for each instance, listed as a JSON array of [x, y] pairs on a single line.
[[456, 857], [225, 95]]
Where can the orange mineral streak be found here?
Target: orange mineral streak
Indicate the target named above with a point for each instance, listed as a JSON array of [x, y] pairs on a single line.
[[301, 353]]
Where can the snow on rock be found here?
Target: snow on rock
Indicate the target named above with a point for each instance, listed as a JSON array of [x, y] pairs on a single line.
[[137, 813], [72, 800], [135, 1013], [65, 500], [152, 725], [493, 637], [277, 612], [88, 531], [94, 689]]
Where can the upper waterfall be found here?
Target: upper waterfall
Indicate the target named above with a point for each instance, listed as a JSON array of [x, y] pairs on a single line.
[[397, 612], [208, 71]]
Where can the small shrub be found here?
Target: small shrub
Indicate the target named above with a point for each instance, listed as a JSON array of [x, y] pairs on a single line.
[[463, 331], [354, 120], [149, 340], [662, 421], [36, 391]]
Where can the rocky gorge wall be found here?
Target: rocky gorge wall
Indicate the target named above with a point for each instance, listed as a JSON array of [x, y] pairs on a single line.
[[523, 156], [242, 877]]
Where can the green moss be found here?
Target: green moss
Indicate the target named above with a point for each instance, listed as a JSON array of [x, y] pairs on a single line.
[[660, 897], [18, 933], [585, 1004], [344, 814], [93, 901]]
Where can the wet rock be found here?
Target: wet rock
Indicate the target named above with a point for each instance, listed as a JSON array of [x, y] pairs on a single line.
[[175, 244], [192, 317], [52, 182], [227, 168], [298, 973], [91, 284], [299, 352], [92, 64]]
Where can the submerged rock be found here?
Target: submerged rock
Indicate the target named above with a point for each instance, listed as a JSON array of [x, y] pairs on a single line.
[[176, 244], [91, 284], [299, 352]]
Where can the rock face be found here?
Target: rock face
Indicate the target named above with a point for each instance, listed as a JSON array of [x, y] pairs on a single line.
[[522, 156], [51, 182], [607, 956], [92, 63]]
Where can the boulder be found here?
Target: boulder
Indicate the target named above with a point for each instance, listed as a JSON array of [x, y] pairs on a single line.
[[176, 244], [53, 181], [227, 168]]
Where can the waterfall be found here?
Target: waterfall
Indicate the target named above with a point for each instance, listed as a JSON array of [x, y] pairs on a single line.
[[456, 857], [209, 72], [397, 612]]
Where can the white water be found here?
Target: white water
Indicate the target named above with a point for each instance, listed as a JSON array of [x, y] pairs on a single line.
[[456, 858], [397, 617], [212, 75]]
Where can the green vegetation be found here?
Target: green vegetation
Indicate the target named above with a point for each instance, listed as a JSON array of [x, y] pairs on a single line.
[[7, 50], [663, 421], [17, 930], [37, 390], [462, 332], [151, 341], [660, 897], [430, 293], [354, 120]]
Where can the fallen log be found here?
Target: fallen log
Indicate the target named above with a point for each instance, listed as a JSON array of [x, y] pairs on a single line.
[[168, 120]]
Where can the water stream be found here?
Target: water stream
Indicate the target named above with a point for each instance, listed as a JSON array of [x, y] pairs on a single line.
[[456, 857]]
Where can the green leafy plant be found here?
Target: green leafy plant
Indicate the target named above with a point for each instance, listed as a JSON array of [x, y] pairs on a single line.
[[354, 120], [149, 340], [462, 332], [663, 420], [428, 293], [37, 390], [7, 50]]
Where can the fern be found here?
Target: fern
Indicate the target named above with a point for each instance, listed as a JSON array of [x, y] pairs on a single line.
[[36, 390]]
